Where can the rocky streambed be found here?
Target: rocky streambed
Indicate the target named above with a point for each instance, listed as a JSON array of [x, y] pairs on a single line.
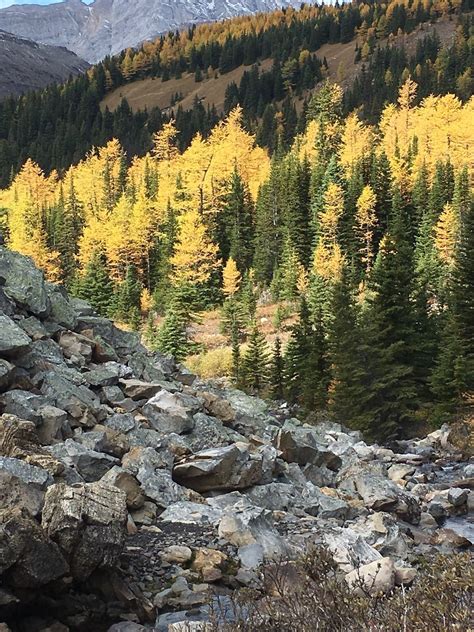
[[133, 494]]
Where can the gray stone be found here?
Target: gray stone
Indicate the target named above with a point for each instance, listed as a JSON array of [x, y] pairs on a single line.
[[301, 445], [91, 465], [177, 554], [171, 412], [7, 374], [318, 504], [23, 283], [159, 486], [81, 307], [16, 493], [227, 468], [251, 556], [77, 400], [30, 558], [143, 457], [457, 496], [125, 481], [42, 355], [76, 346], [124, 343], [186, 512], [120, 422], [23, 404], [88, 523], [13, 339], [25, 472], [34, 328], [62, 312], [138, 390], [105, 375]]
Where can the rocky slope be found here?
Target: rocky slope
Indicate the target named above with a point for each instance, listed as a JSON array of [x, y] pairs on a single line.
[[131, 490], [108, 26], [26, 65]]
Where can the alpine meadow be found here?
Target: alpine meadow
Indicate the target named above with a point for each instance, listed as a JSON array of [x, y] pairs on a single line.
[[282, 202]]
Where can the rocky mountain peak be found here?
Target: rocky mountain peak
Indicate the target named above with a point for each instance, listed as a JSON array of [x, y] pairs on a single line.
[[108, 26], [130, 488]]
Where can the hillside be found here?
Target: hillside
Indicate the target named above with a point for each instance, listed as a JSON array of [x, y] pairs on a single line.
[[273, 94], [342, 67], [134, 494], [107, 27], [26, 65]]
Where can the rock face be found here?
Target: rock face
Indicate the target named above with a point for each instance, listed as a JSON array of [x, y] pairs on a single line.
[[128, 486], [109, 26], [26, 65]]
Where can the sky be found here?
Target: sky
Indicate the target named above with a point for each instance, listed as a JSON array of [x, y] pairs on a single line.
[[8, 3]]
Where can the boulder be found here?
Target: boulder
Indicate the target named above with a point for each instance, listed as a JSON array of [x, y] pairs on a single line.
[[138, 390], [160, 487], [62, 312], [209, 564], [107, 374], [34, 328], [14, 492], [125, 481], [28, 474], [177, 554], [53, 426], [76, 346], [301, 445], [23, 283], [7, 373], [13, 340], [191, 513], [114, 341], [28, 558], [457, 496], [88, 523], [227, 468], [376, 578], [23, 404], [77, 400], [90, 464], [171, 412]]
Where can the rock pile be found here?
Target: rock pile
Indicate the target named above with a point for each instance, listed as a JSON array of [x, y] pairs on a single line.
[[132, 492]]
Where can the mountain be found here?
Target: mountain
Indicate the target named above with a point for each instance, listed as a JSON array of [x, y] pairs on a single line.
[[26, 65], [109, 26]]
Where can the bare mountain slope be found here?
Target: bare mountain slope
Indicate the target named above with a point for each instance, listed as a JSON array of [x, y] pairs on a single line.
[[108, 26], [26, 65]]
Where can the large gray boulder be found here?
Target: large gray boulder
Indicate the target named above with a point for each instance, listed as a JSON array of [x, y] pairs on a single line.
[[23, 283], [14, 492], [62, 312], [171, 412], [302, 446], [13, 339], [88, 523], [227, 468], [90, 464], [159, 486], [77, 400], [28, 558]]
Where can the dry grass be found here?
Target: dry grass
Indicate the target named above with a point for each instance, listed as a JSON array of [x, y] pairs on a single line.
[[149, 93]]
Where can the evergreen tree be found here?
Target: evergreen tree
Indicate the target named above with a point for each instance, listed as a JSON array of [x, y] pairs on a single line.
[[306, 362], [255, 363], [277, 371], [173, 336], [128, 297], [95, 286], [349, 381]]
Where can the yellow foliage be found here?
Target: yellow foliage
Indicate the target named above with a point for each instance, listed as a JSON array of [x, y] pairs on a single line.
[[212, 363], [446, 234], [357, 140], [195, 257], [145, 301], [366, 219], [231, 278]]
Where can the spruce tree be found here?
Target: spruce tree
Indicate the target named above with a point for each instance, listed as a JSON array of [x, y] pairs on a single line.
[[128, 296], [95, 286], [349, 381], [277, 371], [391, 397], [255, 363], [306, 361]]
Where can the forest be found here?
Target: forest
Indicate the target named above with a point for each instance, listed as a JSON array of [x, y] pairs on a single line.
[[56, 127], [365, 231]]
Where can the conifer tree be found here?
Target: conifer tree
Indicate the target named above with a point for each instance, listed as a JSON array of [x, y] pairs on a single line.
[[95, 286], [277, 370], [345, 343], [256, 361], [129, 297]]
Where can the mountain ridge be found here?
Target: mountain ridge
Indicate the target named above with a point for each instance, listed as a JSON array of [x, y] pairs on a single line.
[[26, 65], [106, 27]]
